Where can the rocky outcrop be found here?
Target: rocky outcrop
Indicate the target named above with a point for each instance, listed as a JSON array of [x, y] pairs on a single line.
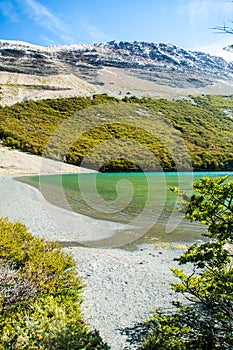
[[139, 57], [135, 63]]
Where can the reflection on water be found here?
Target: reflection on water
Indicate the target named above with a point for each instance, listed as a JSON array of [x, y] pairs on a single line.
[[142, 200]]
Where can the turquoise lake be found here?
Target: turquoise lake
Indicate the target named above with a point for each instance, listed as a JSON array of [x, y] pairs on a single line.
[[142, 201]]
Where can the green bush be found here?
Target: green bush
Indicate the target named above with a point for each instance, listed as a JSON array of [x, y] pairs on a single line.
[[40, 295], [206, 322]]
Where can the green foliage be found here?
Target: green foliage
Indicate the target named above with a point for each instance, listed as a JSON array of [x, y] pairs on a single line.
[[207, 321], [29, 125], [188, 328], [213, 207], [40, 295], [120, 165]]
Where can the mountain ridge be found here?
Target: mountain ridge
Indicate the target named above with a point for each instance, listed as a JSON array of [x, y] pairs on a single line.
[[114, 67], [149, 53]]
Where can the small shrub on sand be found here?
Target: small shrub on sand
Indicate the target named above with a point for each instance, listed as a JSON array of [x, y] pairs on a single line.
[[40, 295]]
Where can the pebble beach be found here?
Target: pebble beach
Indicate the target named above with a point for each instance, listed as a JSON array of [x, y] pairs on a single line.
[[121, 286]]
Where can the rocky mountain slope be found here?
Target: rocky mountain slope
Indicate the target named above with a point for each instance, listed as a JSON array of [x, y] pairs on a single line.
[[118, 68]]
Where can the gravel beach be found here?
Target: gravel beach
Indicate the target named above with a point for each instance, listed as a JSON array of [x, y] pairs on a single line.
[[121, 286]]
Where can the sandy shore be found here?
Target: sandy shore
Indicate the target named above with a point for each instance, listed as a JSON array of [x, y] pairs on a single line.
[[13, 162], [121, 286]]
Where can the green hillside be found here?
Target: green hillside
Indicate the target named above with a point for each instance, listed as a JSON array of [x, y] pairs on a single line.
[[127, 135]]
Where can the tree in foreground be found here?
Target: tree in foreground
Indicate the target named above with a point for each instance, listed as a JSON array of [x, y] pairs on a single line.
[[40, 295], [206, 321]]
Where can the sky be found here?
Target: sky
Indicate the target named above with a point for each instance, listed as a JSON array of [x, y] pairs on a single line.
[[186, 23]]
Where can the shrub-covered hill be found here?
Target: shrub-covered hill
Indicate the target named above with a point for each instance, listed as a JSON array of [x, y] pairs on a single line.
[[204, 123]]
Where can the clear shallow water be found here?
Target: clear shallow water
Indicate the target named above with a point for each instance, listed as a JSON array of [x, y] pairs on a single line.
[[141, 200]]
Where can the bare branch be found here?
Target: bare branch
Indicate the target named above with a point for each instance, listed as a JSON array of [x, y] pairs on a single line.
[[13, 289]]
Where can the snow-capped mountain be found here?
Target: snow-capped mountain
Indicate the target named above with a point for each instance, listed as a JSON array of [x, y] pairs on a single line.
[[120, 64]]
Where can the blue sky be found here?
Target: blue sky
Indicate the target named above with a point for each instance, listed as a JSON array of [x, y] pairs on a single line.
[[186, 23]]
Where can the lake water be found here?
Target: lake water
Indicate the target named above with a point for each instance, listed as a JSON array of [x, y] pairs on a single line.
[[143, 201]]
